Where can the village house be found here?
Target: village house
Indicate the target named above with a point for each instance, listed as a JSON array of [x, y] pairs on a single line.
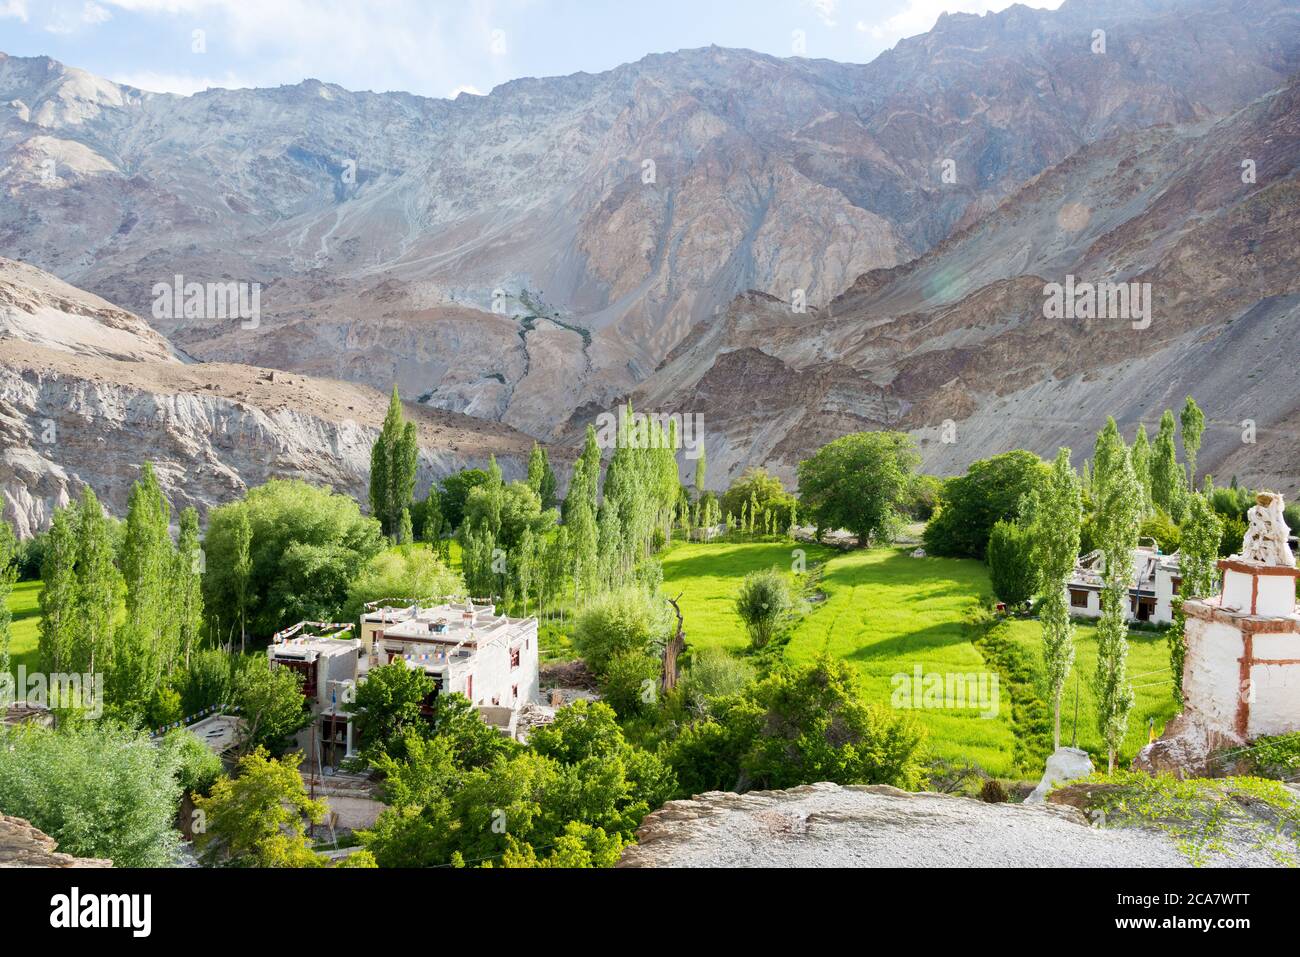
[[1155, 582], [466, 648]]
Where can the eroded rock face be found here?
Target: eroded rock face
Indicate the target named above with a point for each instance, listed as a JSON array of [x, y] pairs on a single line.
[[826, 825], [89, 392], [22, 845]]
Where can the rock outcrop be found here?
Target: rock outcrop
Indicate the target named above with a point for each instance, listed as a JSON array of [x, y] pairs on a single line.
[[74, 413], [826, 825], [22, 845]]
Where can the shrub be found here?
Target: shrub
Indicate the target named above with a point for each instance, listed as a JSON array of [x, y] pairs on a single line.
[[992, 792], [197, 767], [100, 790], [763, 604], [630, 683], [1011, 566], [624, 620], [714, 674]]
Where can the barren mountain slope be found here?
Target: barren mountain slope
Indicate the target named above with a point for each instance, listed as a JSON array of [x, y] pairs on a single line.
[[69, 416], [623, 207], [961, 334]]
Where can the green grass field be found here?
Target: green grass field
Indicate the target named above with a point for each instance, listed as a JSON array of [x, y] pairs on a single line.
[[27, 615], [886, 613], [707, 577]]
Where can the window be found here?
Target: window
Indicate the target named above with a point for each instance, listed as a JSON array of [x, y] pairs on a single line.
[[514, 691], [514, 658], [1078, 598]]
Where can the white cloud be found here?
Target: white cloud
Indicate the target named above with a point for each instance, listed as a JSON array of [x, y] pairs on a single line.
[[825, 10], [68, 18], [13, 10]]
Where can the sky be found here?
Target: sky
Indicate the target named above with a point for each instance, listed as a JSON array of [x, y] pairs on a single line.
[[437, 47]]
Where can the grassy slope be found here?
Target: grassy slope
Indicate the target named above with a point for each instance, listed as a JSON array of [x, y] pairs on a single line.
[[27, 616], [885, 613], [708, 576]]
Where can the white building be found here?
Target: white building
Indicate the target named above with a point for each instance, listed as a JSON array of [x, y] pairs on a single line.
[[330, 666], [465, 648], [1156, 580]]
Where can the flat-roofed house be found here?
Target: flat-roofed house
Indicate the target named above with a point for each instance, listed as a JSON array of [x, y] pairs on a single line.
[[1155, 581], [465, 647]]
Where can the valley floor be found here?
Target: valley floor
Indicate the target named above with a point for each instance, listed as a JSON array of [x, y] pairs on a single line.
[[885, 613]]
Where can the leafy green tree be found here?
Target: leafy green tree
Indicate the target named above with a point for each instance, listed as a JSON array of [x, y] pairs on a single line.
[[1192, 420], [764, 604], [455, 490], [257, 819], [241, 566], [208, 682], [187, 579], [58, 597], [1118, 512], [405, 531], [1160, 527], [197, 766], [992, 490], [541, 477], [763, 492], [271, 702], [1168, 481], [701, 469], [148, 641], [306, 545], [431, 518], [859, 482], [1141, 456], [1202, 531], [402, 572], [100, 790], [387, 708], [393, 461], [620, 621], [814, 724], [1012, 570], [1056, 512], [98, 588]]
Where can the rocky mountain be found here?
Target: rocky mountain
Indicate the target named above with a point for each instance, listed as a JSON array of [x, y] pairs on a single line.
[[540, 250], [88, 392], [961, 347]]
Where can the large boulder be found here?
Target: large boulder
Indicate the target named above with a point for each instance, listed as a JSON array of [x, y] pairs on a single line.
[[1065, 765], [22, 845]]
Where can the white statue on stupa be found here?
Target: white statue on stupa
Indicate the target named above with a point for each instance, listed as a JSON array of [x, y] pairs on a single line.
[[1266, 539]]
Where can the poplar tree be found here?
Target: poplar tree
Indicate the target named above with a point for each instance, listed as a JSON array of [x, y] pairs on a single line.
[[1198, 556], [700, 468], [536, 468], [147, 642], [188, 582], [393, 461], [58, 597], [1168, 483], [1119, 511], [243, 570], [1193, 423], [431, 527], [1141, 455], [1056, 516], [405, 533], [98, 588]]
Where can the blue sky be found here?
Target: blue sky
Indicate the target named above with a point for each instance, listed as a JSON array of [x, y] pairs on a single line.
[[437, 47]]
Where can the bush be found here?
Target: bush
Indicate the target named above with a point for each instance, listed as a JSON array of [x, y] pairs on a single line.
[[630, 683], [624, 620], [714, 674], [207, 683], [1011, 565], [197, 767], [763, 604], [100, 790]]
